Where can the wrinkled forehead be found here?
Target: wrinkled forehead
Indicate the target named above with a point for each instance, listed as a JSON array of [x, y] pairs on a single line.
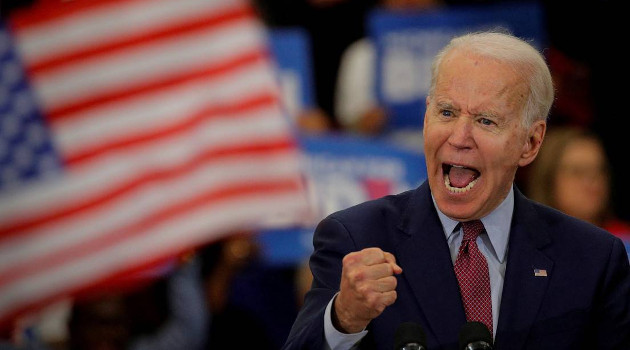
[[472, 75], [471, 60]]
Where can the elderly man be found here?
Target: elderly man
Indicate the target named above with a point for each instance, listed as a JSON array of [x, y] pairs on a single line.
[[467, 245]]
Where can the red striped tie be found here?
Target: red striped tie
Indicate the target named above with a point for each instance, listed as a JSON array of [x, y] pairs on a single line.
[[471, 269]]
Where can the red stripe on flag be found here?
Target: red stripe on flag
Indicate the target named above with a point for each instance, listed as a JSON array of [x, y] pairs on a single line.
[[151, 175], [133, 91], [211, 198], [207, 22], [212, 111]]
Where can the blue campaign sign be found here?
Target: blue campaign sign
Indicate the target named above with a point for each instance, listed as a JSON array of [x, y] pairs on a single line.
[[407, 42], [342, 171], [291, 50]]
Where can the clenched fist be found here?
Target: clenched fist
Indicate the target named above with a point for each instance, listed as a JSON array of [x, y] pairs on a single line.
[[368, 286]]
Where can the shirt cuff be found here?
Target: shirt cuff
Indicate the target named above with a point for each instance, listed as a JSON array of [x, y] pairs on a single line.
[[335, 339]]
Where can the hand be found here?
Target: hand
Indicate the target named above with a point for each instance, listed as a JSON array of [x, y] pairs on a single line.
[[368, 286], [314, 121], [372, 122]]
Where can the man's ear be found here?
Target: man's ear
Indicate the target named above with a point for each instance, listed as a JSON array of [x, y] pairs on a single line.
[[535, 137]]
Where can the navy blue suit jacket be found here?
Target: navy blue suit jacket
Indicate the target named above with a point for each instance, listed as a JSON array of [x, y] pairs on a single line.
[[582, 303]]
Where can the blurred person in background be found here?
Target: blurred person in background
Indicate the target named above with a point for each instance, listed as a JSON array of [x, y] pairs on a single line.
[[246, 294], [590, 79], [223, 261], [303, 282], [356, 105], [572, 174], [168, 314], [332, 25], [165, 313]]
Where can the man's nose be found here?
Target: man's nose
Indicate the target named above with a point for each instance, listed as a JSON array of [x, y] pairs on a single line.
[[461, 133]]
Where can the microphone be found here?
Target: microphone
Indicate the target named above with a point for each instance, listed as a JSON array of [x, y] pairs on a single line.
[[475, 336], [410, 336]]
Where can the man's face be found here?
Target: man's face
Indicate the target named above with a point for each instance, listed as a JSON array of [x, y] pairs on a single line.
[[474, 140]]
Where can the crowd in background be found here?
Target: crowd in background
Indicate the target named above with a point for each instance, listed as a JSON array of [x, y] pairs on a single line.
[[223, 289], [580, 52]]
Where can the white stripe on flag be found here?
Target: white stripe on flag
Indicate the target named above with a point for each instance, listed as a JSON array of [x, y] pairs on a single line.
[[163, 107], [57, 37], [108, 172], [118, 70]]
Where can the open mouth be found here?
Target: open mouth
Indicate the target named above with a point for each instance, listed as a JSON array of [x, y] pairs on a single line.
[[459, 179]]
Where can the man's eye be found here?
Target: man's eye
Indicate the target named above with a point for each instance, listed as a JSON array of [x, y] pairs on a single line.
[[446, 113], [486, 121]]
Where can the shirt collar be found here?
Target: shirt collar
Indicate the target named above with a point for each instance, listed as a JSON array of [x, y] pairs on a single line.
[[497, 224]]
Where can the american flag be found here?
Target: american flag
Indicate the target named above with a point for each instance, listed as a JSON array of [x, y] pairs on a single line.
[[145, 128], [540, 273]]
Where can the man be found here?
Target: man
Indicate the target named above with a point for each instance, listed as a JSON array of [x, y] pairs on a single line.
[[537, 278]]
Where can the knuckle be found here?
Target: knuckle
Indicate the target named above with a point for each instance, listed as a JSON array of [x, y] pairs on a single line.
[[349, 259], [364, 290], [356, 275], [375, 253], [372, 301], [372, 250]]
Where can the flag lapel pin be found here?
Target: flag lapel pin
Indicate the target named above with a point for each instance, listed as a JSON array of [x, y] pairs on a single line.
[[540, 273]]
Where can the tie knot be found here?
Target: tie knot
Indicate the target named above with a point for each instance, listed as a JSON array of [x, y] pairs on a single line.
[[472, 229]]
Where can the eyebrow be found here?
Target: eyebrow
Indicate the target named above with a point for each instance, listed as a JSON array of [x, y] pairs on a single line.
[[446, 105], [488, 115]]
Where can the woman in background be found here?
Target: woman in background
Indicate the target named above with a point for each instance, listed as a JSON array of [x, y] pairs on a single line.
[[572, 175]]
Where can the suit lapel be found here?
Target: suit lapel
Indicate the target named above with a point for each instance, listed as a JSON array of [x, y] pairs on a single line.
[[425, 258], [523, 290]]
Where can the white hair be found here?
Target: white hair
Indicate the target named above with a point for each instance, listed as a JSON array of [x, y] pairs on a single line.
[[526, 60]]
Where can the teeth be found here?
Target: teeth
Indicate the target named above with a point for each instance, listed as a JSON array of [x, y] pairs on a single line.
[[447, 183]]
